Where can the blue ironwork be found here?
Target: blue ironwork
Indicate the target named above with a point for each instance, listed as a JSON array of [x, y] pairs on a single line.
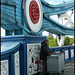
[[11, 44], [12, 18], [56, 9], [63, 49], [54, 27]]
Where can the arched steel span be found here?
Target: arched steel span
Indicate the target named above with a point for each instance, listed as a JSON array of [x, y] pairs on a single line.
[[56, 9], [14, 14], [54, 27]]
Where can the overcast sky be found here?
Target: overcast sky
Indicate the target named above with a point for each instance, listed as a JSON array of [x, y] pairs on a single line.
[[54, 2]]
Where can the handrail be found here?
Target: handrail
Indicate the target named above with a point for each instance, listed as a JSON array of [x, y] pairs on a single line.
[[69, 49], [22, 49]]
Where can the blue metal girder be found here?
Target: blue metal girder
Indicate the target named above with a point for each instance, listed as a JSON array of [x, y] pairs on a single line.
[[8, 17], [9, 2], [54, 27], [13, 13], [56, 9], [8, 25]]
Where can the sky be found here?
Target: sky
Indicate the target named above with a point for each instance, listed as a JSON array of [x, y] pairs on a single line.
[[54, 2], [55, 17]]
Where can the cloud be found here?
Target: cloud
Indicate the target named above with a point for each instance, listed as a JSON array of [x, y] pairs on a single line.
[[55, 3], [51, 2], [48, 1]]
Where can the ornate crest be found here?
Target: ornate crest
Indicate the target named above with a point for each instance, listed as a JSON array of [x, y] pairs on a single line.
[[33, 14]]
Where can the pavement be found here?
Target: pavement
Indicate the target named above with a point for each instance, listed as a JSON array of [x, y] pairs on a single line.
[[69, 69]]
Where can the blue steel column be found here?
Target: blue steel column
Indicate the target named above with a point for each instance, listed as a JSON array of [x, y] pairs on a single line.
[[69, 54], [74, 48], [11, 65], [25, 58], [21, 53]]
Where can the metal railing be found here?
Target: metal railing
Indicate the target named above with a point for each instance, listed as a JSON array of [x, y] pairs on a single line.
[[12, 63], [67, 50]]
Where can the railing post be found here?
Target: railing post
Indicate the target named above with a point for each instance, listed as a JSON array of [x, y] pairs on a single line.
[[69, 51], [74, 51], [69, 54], [21, 53], [25, 58], [11, 65]]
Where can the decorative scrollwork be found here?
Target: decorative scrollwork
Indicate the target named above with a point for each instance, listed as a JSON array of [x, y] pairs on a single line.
[[34, 12], [4, 67]]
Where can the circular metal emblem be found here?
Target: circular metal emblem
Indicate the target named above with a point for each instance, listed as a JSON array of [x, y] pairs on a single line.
[[33, 14]]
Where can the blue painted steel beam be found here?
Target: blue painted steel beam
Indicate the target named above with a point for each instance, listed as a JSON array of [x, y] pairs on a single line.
[[8, 17], [56, 9], [8, 25], [8, 2], [54, 27], [16, 15], [11, 65]]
